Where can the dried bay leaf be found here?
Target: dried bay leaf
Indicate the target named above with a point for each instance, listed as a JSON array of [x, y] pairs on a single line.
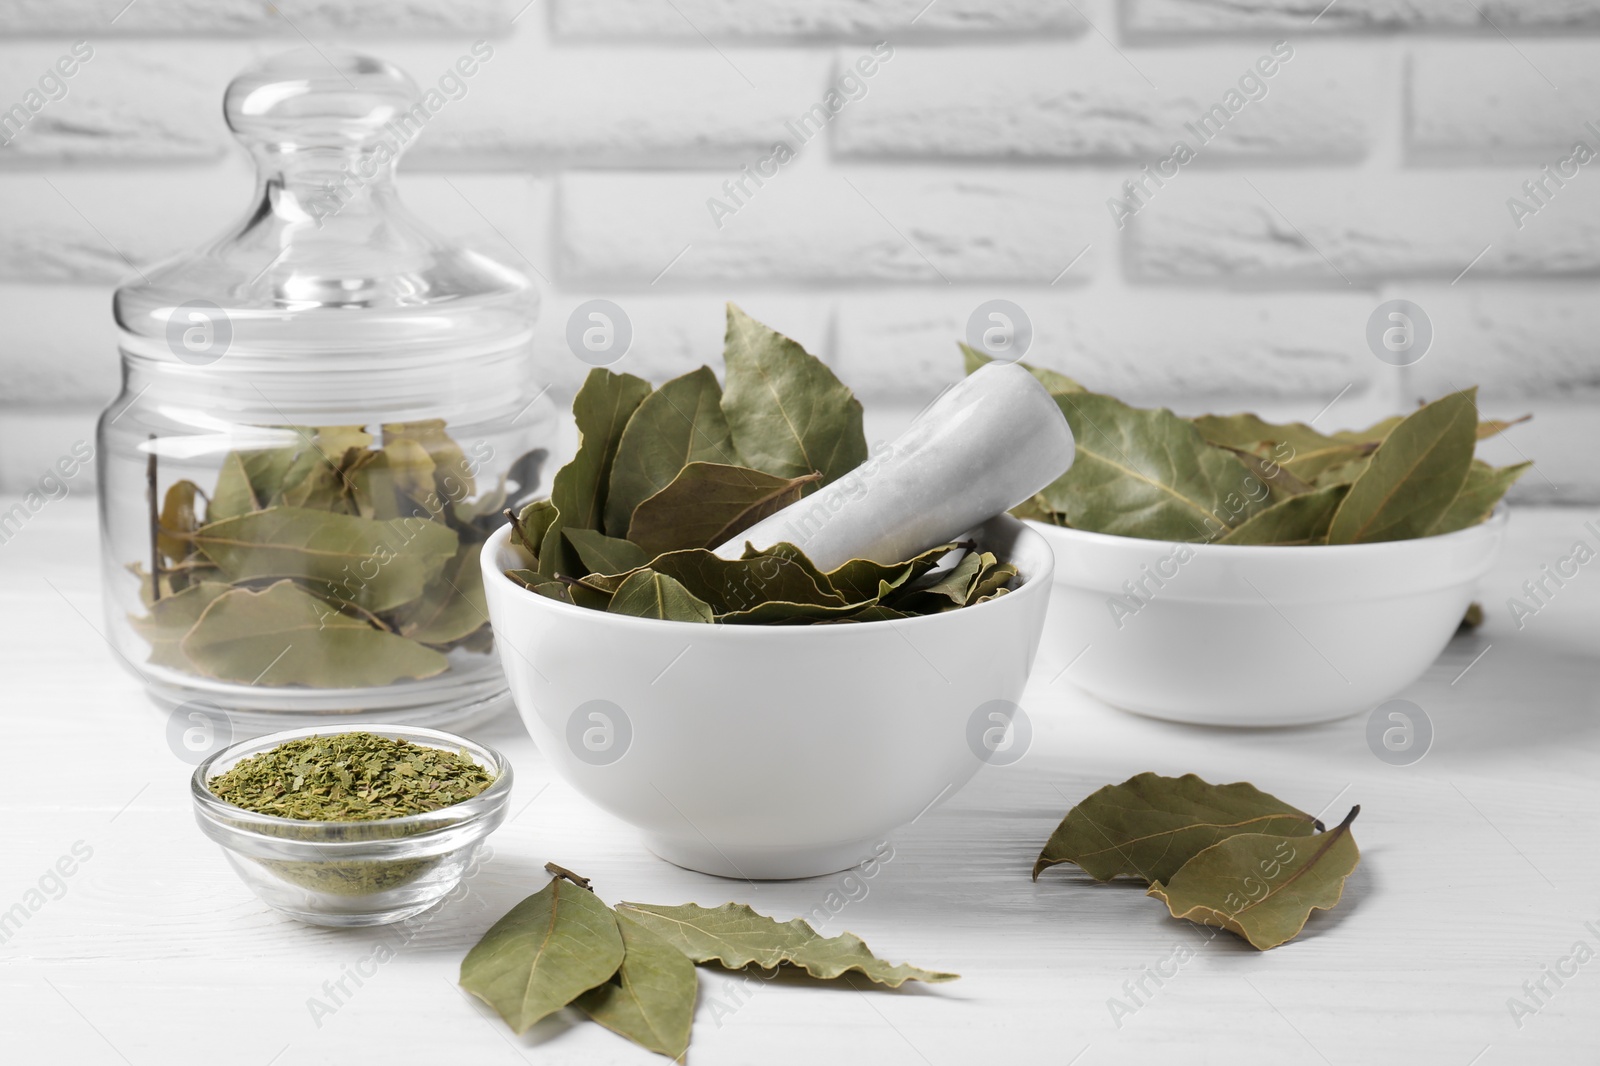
[[1146, 473], [709, 503], [283, 635], [678, 424], [548, 950], [1150, 825], [247, 480], [785, 612], [859, 579], [647, 594], [601, 409], [452, 472], [1263, 887], [1493, 427], [453, 605], [375, 565], [531, 525], [650, 1000], [740, 584], [1480, 492], [736, 936], [170, 620], [1413, 477], [788, 414], [601, 554], [177, 520], [1302, 519], [1054, 383]]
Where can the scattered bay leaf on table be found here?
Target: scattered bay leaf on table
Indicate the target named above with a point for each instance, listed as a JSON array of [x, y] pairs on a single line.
[[647, 594], [678, 424], [1146, 473], [170, 620], [1263, 887], [736, 936], [601, 554], [283, 635], [1482, 489], [376, 565], [788, 413], [1150, 825], [549, 949], [177, 520], [1413, 476], [1302, 519], [452, 606], [601, 409], [1053, 382], [709, 503], [650, 1000]]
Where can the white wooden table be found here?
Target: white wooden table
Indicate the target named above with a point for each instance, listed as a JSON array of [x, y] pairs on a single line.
[[1481, 867]]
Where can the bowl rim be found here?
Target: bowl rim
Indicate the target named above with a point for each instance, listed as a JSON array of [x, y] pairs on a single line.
[[1497, 519], [1043, 579], [240, 820]]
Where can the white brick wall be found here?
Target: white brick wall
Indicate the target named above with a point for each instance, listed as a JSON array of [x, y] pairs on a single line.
[[975, 162]]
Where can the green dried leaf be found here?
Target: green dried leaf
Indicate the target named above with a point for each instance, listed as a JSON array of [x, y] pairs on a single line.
[[551, 948], [788, 414], [1149, 826], [178, 520], [451, 608], [651, 999], [375, 565], [531, 526], [736, 936], [602, 408], [1480, 492], [787, 612], [859, 579], [709, 503], [170, 620], [1054, 383], [1373, 434], [248, 480], [1300, 519], [1413, 477], [1147, 473], [740, 584], [678, 424], [1493, 427], [601, 554], [1263, 887], [283, 635], [452, 470], [646, 594]]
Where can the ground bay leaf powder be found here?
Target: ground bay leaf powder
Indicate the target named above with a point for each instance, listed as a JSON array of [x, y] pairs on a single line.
[[350, 777]]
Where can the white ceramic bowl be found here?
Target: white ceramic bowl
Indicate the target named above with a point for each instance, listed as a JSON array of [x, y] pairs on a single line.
[[767, 751], [1256, 636]]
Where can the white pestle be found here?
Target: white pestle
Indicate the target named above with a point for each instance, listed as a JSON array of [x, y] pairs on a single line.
[[985, 445]]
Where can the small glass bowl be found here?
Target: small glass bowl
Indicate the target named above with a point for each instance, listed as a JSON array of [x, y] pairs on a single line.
[[352, 873]]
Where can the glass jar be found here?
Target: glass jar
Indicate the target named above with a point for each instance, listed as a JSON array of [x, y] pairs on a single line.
[[323, 414]]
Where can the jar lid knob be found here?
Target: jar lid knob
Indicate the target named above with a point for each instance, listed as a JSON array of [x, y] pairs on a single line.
[[311, 98]]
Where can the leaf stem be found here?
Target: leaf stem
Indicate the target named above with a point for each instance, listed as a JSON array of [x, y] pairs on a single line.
[[555, 870]]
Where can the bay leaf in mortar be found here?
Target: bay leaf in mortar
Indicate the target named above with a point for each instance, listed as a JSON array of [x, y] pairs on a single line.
[[859, 579], [601, 409], [1413, 476], [1150, 825], [738, 584], [1483, 488], [736, 936], [376, 565], [1054, 383], [783, 612], [1146, 473], [601, 554], [531, 525], [549, 949], [678, 424], [283, 635], [709, 503], [788, 414], [647, 594], [1302, 519], [1263, 887], [1373, 434], [650, 1000]]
